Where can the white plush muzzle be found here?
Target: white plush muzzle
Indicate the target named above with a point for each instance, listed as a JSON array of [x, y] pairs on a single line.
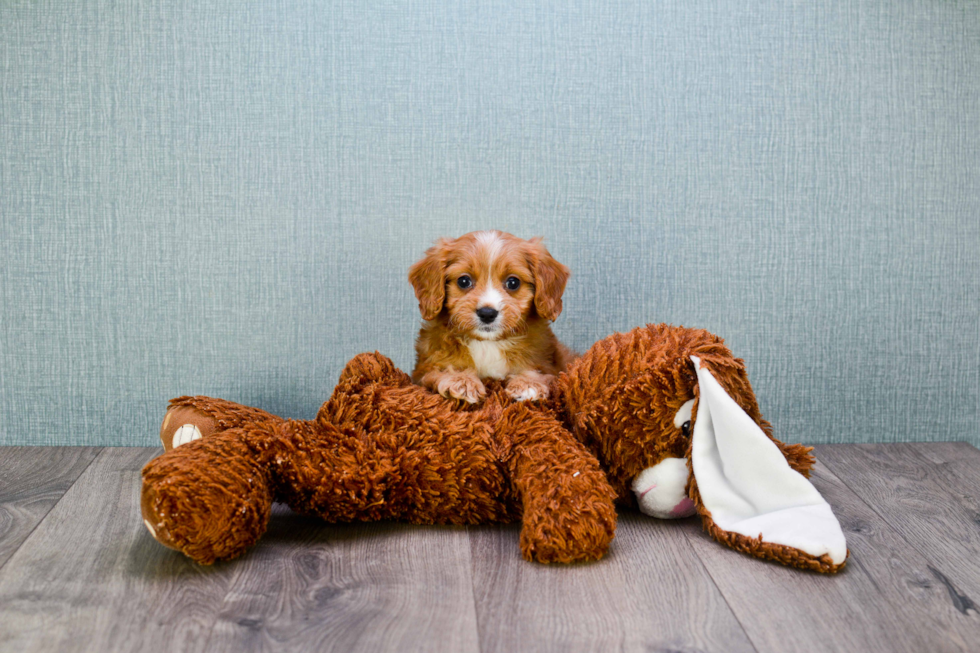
[[660, 490]]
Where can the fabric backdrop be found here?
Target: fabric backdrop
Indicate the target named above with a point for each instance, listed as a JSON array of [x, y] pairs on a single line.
[[224, 197]]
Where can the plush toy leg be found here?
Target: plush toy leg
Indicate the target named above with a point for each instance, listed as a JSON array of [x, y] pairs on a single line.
[[567, 502], [210, 498], [748, 495], [191, 418]]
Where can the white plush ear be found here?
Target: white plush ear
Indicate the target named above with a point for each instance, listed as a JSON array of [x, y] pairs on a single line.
[[748, 487]]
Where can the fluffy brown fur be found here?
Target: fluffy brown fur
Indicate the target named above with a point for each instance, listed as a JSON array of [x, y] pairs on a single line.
[[384, 448], [520, 284]]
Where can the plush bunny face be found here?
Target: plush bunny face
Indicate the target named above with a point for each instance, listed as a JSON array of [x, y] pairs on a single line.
[[678, 396], [632, 399]]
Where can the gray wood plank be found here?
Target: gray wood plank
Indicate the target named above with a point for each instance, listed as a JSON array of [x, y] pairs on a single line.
[[885, 600], [902, 574], [904, 488], [33, 480], [965, 455], [955, 466], [310, 586], [91, 578], [650, 593]]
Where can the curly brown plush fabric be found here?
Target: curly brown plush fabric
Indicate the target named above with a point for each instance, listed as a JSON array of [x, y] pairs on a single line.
[[210, 499], [381, 448], [384, 448]]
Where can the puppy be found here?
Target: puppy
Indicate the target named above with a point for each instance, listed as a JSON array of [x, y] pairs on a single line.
[[487, 299]]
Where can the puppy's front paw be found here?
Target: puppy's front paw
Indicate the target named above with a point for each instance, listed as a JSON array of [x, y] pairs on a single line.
[[460, 385], [529, 386]]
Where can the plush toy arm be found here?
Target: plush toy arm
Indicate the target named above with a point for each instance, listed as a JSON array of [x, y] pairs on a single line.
[[566, 500]]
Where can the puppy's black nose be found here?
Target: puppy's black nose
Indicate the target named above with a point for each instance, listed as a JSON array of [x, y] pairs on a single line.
[[487, 314]]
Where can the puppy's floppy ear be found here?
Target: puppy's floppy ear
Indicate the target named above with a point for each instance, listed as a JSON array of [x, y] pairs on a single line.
[[550, 278], [428, 278]]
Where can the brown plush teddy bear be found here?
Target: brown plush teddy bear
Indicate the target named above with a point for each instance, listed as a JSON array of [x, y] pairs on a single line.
[[661, 418]]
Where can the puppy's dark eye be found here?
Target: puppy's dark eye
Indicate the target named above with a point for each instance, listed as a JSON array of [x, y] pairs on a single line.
[[512, 283], [686, 428], [464, 282]]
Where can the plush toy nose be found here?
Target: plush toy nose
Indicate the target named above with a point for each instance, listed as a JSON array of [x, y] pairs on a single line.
[[487, 314]]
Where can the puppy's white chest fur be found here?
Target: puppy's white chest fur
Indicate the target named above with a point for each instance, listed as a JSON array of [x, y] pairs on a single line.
[[488, 358]]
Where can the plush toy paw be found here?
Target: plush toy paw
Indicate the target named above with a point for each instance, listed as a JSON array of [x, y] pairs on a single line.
[[529, 386], [183, 424], [193, 418], [462, 385], [574, 530], [660, 490]]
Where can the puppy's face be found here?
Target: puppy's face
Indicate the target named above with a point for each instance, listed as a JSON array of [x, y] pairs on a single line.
[[489, 283], [489, 287]]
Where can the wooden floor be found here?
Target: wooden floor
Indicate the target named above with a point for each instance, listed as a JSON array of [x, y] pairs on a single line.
[[78, 571]]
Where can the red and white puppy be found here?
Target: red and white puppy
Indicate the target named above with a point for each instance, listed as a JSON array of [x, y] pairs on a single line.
[[487, 299]]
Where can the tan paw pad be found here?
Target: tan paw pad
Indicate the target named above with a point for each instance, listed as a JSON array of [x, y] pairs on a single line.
[[186, 433]]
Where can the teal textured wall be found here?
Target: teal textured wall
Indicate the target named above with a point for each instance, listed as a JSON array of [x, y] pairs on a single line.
[[224, 197]]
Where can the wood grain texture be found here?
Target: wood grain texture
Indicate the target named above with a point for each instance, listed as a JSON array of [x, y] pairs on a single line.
[[91, 578], [649, 594], [902, 575], [938, 518], [885, 600], [33, 480], [88, 576], [310, 586], [955, 466]]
